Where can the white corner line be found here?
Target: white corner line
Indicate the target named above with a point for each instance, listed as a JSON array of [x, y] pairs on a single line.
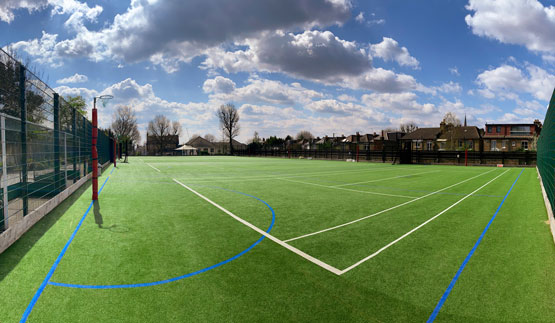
[[264, 233], [384, 179], [345, 189], [153, 167], [386, 210], [419, 226]]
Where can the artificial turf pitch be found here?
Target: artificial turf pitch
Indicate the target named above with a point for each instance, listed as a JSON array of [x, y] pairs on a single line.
[[388, 267]]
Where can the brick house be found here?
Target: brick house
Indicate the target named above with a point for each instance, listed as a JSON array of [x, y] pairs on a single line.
[[222, 147], [203, 146], [422, 139], [511, 136], [445, 137], [459, 138]]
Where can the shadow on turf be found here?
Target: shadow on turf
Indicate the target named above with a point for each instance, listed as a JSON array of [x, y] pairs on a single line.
[[115, 228], [13, 255]]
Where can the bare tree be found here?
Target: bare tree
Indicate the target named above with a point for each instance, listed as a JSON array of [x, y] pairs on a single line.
[[229, 121], [124, 126], [255, 137], [159, 128], [451, 118], [304, 134], [176, 128], [408, 127], [210, 137]]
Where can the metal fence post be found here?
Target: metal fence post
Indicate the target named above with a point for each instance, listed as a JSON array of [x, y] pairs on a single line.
[[65, 158], [73, 141], [4, 173], [57, 180], [83, 139], [25, 198]]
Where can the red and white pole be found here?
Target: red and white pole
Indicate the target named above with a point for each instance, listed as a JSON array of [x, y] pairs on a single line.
[[94, 152]]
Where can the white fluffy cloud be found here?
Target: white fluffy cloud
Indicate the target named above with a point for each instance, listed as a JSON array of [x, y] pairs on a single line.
[[521, 22], [404, 103], [219, 84], [170, 32], [301, 55], [7, 7], [382, 80], [390, 50], [197, 116], [259, 92], [78, 11], [508, 81], [75, 78]]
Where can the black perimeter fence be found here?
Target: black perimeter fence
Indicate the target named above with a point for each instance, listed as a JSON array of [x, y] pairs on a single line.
[[396, 155], [46, 144], [546, 152]]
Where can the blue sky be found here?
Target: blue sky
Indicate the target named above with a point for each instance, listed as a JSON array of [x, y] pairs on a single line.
[[327, 66]]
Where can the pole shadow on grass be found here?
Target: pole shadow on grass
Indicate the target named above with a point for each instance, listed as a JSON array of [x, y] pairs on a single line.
[[99, 220], [17, 251]]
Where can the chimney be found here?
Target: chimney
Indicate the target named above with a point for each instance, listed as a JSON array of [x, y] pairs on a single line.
[[442, 126]]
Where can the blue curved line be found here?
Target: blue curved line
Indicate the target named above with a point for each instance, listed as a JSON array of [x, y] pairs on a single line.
[[46, 280], [200, 271]]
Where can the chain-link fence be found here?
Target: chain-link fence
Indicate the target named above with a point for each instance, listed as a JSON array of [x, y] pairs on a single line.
[[46, 143], [546, 152]]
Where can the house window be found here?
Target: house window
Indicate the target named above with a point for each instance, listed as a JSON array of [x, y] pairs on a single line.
[[442, 145], [525, 145], [493, 145], [211, 150], [520, 130], [470, 144], [460, 143], [490, 129], [418, 144], [505, 143], [429, 145], [498, 129]]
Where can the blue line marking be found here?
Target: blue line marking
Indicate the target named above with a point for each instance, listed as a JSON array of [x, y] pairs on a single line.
[[56, 263], [200, 271], [454, 280]]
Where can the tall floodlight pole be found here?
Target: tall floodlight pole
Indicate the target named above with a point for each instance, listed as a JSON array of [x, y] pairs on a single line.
[[104, 99]]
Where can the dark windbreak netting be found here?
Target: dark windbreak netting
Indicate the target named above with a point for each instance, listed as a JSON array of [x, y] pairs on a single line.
[[46, 153], [546, 152]]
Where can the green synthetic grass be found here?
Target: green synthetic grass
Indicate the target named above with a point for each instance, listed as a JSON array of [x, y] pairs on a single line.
[[147, 228]]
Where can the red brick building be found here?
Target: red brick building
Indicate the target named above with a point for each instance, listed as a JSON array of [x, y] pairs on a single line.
[[511, 136]]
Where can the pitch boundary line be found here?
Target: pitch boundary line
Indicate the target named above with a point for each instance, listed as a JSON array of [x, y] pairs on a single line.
[[156, 169], [297, 175], [346, 189], [418, 227], [470, 254], [384, 179], [267, 235], [386, 210]]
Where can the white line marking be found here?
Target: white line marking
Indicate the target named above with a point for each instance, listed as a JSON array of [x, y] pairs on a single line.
[[418, 227], [267, 235], [384, 179], [386, 210], [297, 175], [346, 189], [153, 167]]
